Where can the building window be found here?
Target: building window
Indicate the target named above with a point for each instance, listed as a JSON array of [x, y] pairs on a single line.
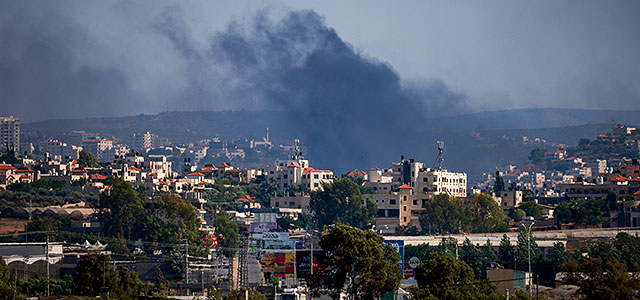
[[315, 176], [415, 202], [277, 204], [404, 208], [392, 201]]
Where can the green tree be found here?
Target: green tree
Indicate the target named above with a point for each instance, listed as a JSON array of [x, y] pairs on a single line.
[[121, 210], [498, 186], [87, 160], [517, 214], [239, 294], [506, 252], [629, 247], [444, 214], [160, 286], [340, 202], [562, 214], [227, 232], [526, 243], [472, 255], [608, 279], [7, 278], [357, 263], [9, 157], [537, 155], [486, 214], [444, 277], [92, 273], [174, 220], [129, 286], [532, 209], [560, 255]]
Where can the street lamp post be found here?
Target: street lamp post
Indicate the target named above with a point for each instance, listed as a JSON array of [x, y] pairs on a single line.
[[529, 253]]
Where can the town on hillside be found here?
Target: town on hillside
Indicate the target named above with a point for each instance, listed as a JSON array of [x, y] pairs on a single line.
[[93, 214]]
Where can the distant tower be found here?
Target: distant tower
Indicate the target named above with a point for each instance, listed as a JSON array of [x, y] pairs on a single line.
[[440, 159], [267, 139], [297, 154]]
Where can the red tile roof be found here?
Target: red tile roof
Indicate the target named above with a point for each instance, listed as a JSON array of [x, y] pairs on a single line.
[[294, 165], [209, 166], [98, 177], [23, 170], [195, 174], [224, 165], [134, 169], [202, 182], [356, 172], [246, 198], [637, 193], [404, 186], [79, 170], [629, 167], [23, 176], [7, 167], [618, 178]]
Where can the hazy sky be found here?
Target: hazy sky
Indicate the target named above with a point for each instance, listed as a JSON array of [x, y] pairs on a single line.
[[85, 58]]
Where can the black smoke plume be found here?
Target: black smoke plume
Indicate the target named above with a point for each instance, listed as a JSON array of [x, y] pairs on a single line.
[[349, 109]]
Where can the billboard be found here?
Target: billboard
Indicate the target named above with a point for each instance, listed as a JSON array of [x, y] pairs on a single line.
[[281, 264], [399, 245], [278, 244], [303, 262], [257, 227], [284, 236]]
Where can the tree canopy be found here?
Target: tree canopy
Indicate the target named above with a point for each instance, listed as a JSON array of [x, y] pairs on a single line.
[[357, 263], [87, 160], [340, 202], [445, 214], [444, 277]]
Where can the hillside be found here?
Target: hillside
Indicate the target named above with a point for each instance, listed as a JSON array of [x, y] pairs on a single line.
[[474, 143]]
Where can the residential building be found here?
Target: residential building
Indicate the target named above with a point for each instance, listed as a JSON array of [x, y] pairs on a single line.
[[60, 151], [140, 142], [10, 134], [101, 148]]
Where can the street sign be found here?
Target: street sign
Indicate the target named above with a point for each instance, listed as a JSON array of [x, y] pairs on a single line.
[[414, 262]]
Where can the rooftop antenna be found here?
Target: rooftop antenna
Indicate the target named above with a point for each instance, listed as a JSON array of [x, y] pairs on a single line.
[[297, 154], [440, 159]]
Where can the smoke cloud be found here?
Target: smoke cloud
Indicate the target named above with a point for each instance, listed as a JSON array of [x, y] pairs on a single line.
[[341, 102], [349, 109]]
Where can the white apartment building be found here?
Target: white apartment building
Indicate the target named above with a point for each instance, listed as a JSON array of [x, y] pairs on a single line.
[[10, 134], [102, 149], [158, 164], [403, 190], [60, 151], [422, 180], [142, 141]]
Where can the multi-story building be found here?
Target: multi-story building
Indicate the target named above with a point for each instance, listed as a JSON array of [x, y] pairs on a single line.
[[403, 190], [102, 149], [295, 171], [142, 141], [58, 150], [10, 134], [421, 179]]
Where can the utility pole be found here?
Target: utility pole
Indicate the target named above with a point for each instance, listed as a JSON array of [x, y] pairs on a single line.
[[47, 257], [529, 254], [186, 263], [311, 254], [15, 284]]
